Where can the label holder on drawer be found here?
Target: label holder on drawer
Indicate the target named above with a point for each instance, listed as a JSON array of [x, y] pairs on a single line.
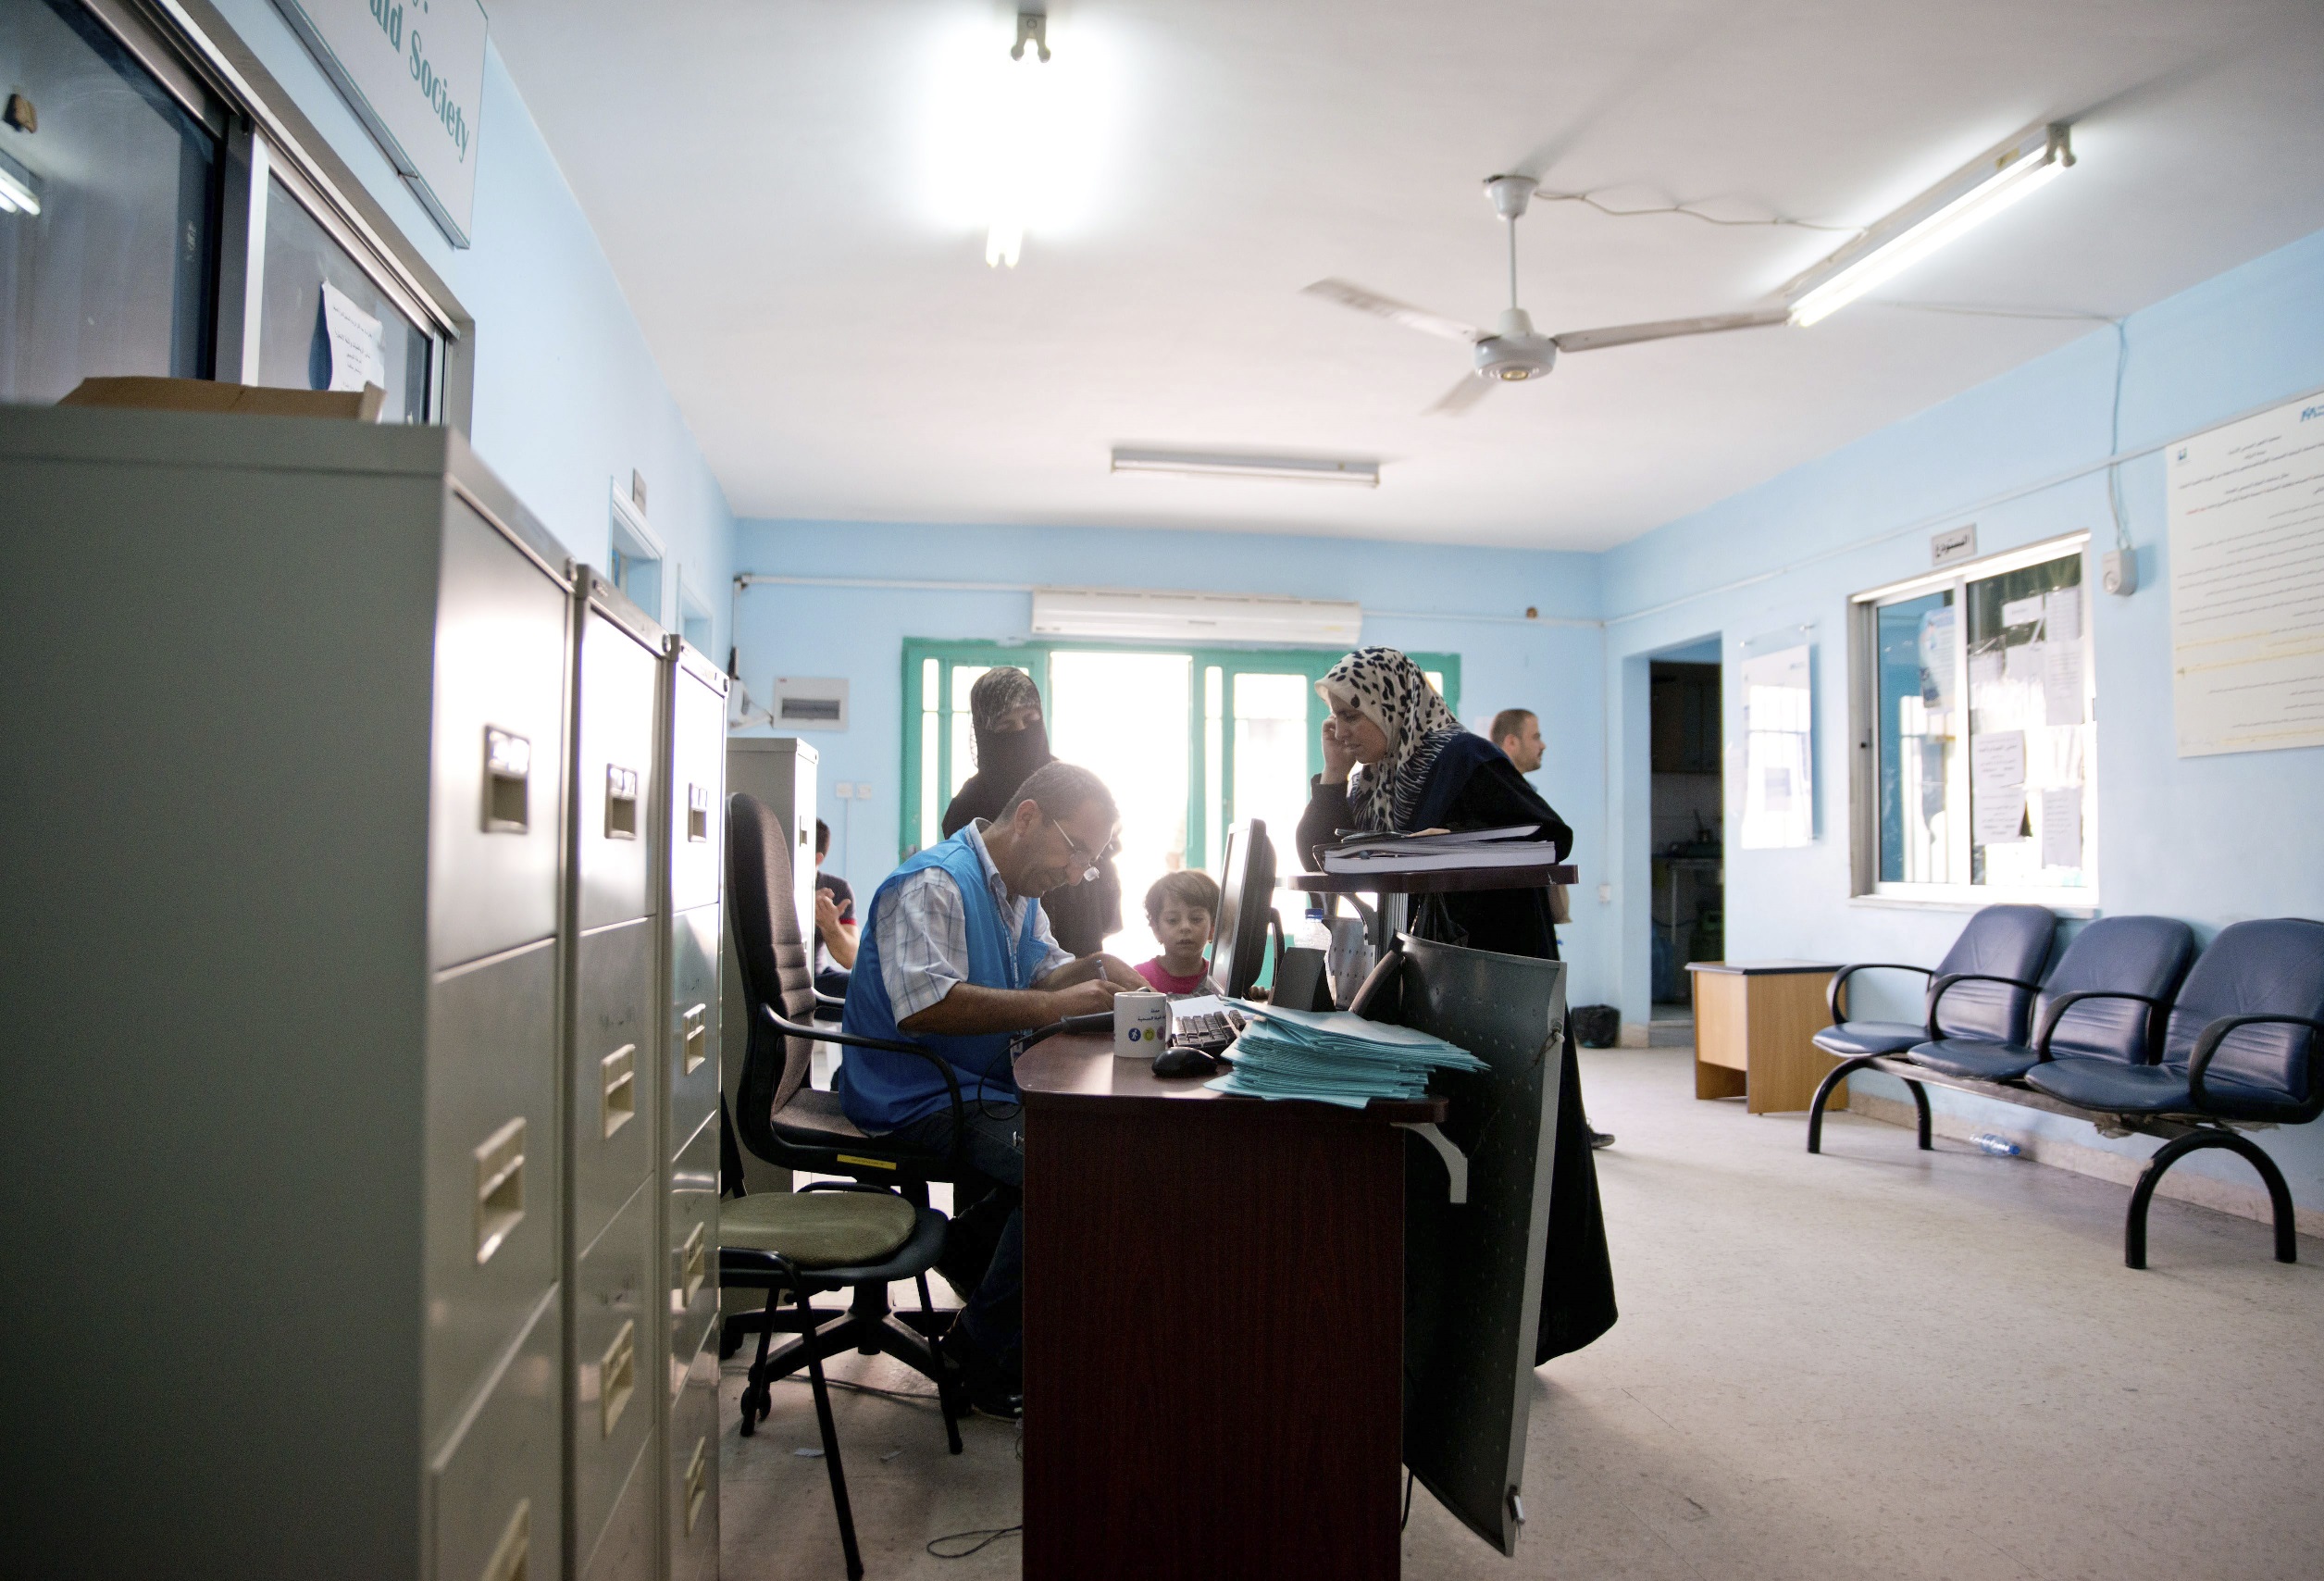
[[697, 812], [697, 1482], [621, 802], [507, 779], [500, 1188], [617, 1102], [694, 1267], [512, 1560], [695, 1027], [616, 1378]]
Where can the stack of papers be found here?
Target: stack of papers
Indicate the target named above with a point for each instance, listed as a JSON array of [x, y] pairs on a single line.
[[1436, 850], [1330, 1056]]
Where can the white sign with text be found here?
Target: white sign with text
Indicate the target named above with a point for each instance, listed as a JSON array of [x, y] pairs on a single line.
[[414, 71]]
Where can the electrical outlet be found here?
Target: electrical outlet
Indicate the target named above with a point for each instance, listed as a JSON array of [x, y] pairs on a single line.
[[863, 790], [1606, 894], [844, 789]]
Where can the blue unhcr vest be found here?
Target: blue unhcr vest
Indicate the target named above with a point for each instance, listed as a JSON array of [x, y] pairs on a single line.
[[880, 1090]]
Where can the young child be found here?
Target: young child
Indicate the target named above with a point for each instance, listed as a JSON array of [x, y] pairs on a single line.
[[1180, 909]]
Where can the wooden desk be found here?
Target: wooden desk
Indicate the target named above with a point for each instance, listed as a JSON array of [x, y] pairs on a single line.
[[1754, 1021], [1214, 1327]]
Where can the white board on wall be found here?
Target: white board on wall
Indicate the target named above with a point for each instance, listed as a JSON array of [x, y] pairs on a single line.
[[2246, 511], [412, 70]]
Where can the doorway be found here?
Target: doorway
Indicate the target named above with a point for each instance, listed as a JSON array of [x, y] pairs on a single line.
[[1686, 837]]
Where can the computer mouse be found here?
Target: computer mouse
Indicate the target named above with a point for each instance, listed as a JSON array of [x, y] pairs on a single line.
[[1184, 1061]]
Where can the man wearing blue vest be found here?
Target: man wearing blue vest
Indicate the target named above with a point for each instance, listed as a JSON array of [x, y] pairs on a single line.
[[955, 955]]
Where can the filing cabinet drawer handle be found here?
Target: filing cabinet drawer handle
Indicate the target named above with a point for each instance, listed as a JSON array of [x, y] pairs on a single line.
[[694, 1265], [616, 1378], [500, 1188], [621, 802], [512, 1560], [698, 812], [696, 1023], [618, 1104], [507, 778], [697, 1482]]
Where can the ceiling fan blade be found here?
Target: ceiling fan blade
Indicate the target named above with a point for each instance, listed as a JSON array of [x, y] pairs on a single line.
[[1403, 313], [1625, 334], [1461, 397]]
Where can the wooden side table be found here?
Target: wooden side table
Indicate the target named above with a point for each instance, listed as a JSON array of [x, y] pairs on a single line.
[[1754, 1021]]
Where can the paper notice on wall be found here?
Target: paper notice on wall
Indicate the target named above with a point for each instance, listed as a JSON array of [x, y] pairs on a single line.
[[1997, 761], [2247, 506], [2061, 614], [2023, 664], [2000, 818], [357, 355], [2061, 683], [1937, 658], [1985, 671], [2021, 611], [2061, 826]]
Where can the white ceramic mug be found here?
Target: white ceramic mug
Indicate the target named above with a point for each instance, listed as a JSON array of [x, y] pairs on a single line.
[[1141, 1023]]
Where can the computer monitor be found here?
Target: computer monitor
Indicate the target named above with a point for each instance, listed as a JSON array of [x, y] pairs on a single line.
[[1247, 888]]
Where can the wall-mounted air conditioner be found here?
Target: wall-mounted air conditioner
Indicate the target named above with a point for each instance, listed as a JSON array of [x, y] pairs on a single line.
[[1121, 614]]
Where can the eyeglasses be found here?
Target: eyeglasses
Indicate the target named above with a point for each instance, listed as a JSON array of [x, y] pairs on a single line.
[[1083, 857]]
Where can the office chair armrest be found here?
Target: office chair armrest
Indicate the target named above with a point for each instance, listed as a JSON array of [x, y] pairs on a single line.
[[863, 1186], [2216, 1033], [1943, 985], [2056, 1012], [829, 1001], [855, 1041], [1376, 980], [1832, 990]]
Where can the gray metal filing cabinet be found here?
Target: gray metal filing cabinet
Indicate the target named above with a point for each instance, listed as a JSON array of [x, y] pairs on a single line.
[[694, 704], [288, 711], [614, 1096]]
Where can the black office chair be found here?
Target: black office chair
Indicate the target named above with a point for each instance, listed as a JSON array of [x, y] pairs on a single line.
[[830, 1236], [781, 1118]]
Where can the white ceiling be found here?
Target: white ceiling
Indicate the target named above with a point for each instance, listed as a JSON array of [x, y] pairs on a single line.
[[780, 186]]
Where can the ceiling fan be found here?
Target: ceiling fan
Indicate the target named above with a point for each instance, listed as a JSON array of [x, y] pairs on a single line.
[[1511, 352]]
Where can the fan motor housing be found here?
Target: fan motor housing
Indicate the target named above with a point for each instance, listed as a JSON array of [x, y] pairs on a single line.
[[1515, 357]]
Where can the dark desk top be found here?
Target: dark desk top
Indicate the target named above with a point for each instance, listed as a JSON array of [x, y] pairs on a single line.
[[1442, 881], [1072, 1068], [1761, 969]]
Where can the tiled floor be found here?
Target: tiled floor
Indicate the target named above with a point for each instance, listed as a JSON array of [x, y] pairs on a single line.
[[1877, 1362]]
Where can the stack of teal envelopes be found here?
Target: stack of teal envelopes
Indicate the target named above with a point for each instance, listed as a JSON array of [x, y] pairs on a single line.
[[1333, 1057]]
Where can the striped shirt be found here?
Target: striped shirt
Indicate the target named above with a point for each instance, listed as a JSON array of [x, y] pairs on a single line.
[[923, 933]]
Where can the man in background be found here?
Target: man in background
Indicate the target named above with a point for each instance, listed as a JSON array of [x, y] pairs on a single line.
[[1518, 734], [835, 922]]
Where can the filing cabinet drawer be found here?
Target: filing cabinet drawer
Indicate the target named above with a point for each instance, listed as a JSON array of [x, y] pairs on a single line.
[[626, 1552], [693, 1056], [692, 1275], [611, 1079], [490, 1224], [494, 1489], [497, 759], [616, 790], [614, 1347], [698, 779], [692, 1492]]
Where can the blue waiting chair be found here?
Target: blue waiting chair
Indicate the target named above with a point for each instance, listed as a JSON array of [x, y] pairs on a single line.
[[2242, 1045], [2108, 1000], [1981, 990]]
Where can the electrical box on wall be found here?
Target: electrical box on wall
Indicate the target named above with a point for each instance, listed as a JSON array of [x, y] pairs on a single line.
[[809, 702]]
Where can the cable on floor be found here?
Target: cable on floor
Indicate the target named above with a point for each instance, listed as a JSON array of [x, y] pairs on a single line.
[[986, 1537]]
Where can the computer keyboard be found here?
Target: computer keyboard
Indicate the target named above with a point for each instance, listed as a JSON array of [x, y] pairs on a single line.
[[1203, 1021]]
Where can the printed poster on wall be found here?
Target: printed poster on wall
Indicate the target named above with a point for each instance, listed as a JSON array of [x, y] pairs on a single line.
[[2246, 504], [412, 70], [1779, 804]]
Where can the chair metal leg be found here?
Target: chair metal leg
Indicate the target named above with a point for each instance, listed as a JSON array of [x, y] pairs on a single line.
[[1824, 1090], [2170, 1153], [831, 1457], [757, 1392], [1920, 1102]]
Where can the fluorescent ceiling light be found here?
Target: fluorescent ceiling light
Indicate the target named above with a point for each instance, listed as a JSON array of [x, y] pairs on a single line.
[[1020, 111], [1956, 206], [19, 193], [1298, 468]]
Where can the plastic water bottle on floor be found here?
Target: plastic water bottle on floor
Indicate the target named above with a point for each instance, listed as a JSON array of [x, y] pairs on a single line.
[[2000, 1147]]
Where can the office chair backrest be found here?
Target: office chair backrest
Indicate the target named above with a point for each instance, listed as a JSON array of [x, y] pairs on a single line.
[[772, 960], [2137, 954], [2002, 941], [2273, 967]]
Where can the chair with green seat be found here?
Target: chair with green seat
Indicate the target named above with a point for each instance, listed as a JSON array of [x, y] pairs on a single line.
[[830, 1236]]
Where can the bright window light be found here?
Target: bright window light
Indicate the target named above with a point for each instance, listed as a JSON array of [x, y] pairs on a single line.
[[1951, 208]]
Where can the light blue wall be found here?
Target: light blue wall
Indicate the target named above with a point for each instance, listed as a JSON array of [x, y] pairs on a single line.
[[858, 633], [567, 398], [2211, 840]]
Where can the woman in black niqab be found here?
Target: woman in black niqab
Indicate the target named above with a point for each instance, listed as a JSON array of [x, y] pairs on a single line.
[[1004, 708]]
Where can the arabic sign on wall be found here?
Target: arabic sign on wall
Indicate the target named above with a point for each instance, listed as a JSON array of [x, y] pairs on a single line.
[[414, 71]]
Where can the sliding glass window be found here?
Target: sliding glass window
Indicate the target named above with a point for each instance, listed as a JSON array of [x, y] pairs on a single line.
[[1976, 733], [108, 209], [326, 323]]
